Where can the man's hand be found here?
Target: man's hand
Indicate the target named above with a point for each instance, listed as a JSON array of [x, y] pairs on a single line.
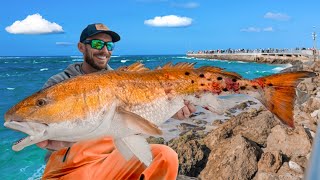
[[54, 145], [185, 112]]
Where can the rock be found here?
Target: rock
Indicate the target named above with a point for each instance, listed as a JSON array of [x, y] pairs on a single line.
[[196, 114], [217, 122], [296, 167], [155, 140], [311, 105], [233, 158], [192, 152], [186, 127], [291, 142], [183, 177], [241, 106], [273, 176], [199, 121], [285, 170], [255, 125], [270, 162]]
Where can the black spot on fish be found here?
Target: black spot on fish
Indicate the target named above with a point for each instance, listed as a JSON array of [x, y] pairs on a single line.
[[201, 75], [202, 84], [234, 80], [224, 89], [192, 81], [270, 84], [187, 73], [209, 79], [255, 87], [242, 87], [219, 78]]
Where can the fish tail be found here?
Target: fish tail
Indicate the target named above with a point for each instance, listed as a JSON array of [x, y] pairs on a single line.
[[278, 93]]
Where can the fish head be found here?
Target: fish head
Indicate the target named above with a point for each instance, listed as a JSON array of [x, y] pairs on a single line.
[[48, 114]]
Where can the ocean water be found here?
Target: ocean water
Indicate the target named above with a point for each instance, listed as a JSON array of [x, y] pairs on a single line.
[[23, 76]]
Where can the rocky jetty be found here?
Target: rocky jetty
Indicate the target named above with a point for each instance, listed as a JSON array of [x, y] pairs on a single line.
[[252, 144]]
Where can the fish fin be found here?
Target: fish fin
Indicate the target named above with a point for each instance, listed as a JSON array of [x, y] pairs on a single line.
[[279, 93], [123, 149], [135, 145], [135, 67], [138, 123]]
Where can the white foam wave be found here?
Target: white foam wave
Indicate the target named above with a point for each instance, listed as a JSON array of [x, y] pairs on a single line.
[[184, 57], [4, 57], [115, 56], [75, 56], [44, 69], [124, 60], [278, 69], [241, 62], [9, 88], [37, 175], [46, 57], [77, 60]]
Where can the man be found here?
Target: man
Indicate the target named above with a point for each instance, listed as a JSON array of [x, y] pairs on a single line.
[[98, 159]]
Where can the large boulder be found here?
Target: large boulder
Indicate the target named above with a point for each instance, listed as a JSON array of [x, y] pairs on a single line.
[[292, 142], [192, 152], [233, 158], [255, 125]]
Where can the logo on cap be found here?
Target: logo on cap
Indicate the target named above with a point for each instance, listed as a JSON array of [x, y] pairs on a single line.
[[101, 27]]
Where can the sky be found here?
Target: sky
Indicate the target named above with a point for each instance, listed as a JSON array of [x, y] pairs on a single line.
[[156, 27]]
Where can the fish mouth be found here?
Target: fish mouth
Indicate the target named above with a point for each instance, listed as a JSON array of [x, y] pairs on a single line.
[[36, 132]]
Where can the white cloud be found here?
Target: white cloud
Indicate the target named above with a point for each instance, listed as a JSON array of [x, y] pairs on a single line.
[[257, 29], [268, 29], [277, 16], [34, 24], [251, 29], [65, 43], [169, 21], [188, 5]]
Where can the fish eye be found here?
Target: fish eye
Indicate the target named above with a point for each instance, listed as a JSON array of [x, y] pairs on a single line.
[[41, 102]]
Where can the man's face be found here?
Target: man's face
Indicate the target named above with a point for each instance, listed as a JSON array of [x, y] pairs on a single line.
[[97, 59]]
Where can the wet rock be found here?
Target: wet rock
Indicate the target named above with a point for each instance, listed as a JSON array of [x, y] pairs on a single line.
[[233, 158], [155, 140], [199, 121], [192, 152], [186, 127], [196, 114], [183, 177]]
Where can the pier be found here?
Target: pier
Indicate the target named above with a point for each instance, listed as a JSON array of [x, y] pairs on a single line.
[[260, 57]]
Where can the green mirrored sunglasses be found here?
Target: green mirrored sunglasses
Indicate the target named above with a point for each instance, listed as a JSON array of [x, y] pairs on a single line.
[[99, 44]]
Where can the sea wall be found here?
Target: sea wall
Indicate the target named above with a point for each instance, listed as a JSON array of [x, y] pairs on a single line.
[[272, 58]]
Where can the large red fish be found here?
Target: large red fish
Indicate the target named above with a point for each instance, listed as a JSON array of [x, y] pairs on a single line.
[[134, 100]]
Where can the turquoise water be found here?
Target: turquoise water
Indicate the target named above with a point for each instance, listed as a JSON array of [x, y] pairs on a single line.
[[22, 76]]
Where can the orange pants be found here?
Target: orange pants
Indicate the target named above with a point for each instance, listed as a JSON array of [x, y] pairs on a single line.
[[98, 159]]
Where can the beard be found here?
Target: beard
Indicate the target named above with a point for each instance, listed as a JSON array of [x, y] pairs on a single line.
[[89, 60]]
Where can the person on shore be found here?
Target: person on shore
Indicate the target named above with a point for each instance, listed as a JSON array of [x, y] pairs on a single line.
[[98, 158]]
